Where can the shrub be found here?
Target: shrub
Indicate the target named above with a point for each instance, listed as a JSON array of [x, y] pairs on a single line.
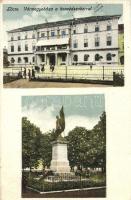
[[118, 79]]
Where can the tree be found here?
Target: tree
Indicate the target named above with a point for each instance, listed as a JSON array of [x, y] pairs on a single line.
[[99, 142], [78, 147], [46, 149], [30, 144], [88, 148]]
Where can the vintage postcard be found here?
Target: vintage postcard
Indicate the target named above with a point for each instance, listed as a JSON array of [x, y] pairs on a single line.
[[58, 45], [65, 99]]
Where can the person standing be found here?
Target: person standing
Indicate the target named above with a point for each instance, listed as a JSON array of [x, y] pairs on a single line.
[[29, 74], [24, 73]]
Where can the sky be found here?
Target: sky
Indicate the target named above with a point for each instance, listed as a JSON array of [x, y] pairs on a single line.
[[80, 110], [51, 12]]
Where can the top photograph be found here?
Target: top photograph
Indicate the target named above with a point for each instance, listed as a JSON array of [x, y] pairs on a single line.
[[63, 45]]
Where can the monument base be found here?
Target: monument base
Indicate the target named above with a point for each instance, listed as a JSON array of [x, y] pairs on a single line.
[[59, 162]]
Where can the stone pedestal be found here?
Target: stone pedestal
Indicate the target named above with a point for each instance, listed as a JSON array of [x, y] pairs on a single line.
[[59, 162]]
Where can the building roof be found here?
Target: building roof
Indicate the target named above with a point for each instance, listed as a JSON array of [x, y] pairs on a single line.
[[65, 22]]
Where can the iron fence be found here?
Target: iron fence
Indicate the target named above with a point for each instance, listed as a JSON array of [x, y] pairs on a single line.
[[63, 182]]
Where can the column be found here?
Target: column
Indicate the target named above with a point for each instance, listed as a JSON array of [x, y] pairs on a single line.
[[67, 59], [45, 59], [56, 59]]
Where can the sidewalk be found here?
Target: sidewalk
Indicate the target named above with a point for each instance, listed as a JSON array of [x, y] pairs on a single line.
[[23, 83]]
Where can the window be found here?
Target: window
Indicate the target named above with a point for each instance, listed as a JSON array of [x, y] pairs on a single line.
[[12, 48], [97, 28], [12, 60], [26, 59], [38, 34], [26, 47], [74, 31], [42, 48], [108, 27], [33, 47], [52, 33], [43, 35], [85, 42], [85, 29], [33, 59], [86, 56], [38, 48], [19, 37], [109, 39], [63, 33], [97, 42], [97, 57], [12, 38], [75, 58], [75, 44], [19, 59], [19, 48], [108, 56]]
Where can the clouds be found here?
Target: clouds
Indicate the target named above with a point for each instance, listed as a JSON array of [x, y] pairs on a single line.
[[46, 120]]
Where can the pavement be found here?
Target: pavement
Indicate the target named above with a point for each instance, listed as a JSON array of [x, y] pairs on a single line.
[[67, 194], [24, 83]]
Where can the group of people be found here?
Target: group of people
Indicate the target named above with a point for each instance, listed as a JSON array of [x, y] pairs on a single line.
[[30, 74]]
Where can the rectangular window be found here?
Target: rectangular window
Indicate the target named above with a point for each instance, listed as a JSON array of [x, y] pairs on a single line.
[[75, 44], [33, 47], [26, 59], [109, 39], [63, 33], [42, 48], [26, 47], [97, 29], [19, 60], [74, 31], [12, 38], [12, 48], [85, 30], [85, 42], [18, 37], [42, 35], [19, 48], [33, 59], [38, 34], [108, 27], [38, 48], [52, 34], [97, 42]]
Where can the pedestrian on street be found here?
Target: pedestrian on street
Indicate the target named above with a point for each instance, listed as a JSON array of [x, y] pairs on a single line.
[[29, 74]]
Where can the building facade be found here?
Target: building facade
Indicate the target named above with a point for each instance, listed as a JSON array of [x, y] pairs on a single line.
[[83, 41]]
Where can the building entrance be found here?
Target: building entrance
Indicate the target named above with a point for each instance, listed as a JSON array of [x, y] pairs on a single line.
[[52, 59]]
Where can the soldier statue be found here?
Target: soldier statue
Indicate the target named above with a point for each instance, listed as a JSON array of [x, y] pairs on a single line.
[[60, 123]]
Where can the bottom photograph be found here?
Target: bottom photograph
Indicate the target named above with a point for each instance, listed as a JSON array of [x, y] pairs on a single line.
[[63, 146]]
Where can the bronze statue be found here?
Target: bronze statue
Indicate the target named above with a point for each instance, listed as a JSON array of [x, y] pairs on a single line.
[[60, 123]]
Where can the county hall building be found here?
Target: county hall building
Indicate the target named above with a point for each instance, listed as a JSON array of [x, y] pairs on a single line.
[[82, 41]]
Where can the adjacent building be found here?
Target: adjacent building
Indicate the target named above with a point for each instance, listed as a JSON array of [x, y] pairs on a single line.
[[82, 41]]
